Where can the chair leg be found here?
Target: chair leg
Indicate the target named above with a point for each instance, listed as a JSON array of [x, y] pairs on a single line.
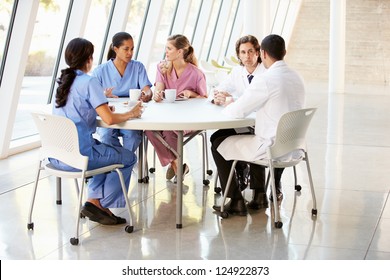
[[30, 224], [278, 222], [223, 213], [205, 160], [313, 195], [206, 155], [75, 240], [59, 190], [267, 181], [216, 188], [153, 168], [295, 177], [129, 228], [76, 183]]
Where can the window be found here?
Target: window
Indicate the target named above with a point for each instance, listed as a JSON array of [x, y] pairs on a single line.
[[167, 18], [192, 19], [96, 27], [42, 55], [136, 18], [6, 8]]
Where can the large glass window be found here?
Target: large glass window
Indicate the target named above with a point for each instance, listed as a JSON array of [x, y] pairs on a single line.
[[135, 21], [96, 27], [229, 42], [210, 30], [167, 18], [192, 19], [5, 17], [42, 55]]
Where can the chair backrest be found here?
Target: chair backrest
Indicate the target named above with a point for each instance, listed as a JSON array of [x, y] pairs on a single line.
[[291, 132], [230, 62], [59, 138], [234, 59], [206, 66]]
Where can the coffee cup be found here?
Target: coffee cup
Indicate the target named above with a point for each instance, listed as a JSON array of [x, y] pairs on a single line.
[[170, 95], [135, 95]]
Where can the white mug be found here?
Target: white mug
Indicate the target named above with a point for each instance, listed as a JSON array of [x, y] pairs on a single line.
[[170, 95], [135, 94]]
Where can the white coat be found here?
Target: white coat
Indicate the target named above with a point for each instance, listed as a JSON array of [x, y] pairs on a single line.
[[275, 92], [237, 81]]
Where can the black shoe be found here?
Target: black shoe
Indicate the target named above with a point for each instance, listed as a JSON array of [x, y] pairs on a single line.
[[119, 220], [98, 215], [234, 207], [242, 175], [259, 201]]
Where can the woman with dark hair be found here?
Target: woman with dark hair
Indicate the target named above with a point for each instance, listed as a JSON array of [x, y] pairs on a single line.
[[179, 71], [80, 98], [118, 75]]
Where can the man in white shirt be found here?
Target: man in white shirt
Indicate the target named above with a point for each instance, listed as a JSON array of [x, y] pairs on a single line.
[[233, 86], [277, 91]]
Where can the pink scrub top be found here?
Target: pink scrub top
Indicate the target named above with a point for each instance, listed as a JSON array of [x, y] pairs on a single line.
[[192, 79]]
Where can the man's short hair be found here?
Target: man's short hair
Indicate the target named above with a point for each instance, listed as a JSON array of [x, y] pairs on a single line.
[[275, 46]]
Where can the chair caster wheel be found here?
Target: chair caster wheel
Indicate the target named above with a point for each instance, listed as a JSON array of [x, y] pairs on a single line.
[[206, 182], [145, 180], [217, 190], [314, 212], [152, 169], [224, 214], [74, 241], [298, 188], [82, 216], [278, 224], [30, 226], [209, 172], [129, 229]]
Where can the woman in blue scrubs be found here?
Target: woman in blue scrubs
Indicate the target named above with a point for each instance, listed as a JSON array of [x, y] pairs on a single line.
[[80, 98], [118, 75]]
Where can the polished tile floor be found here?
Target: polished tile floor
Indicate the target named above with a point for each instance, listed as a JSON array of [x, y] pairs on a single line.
[[349, 148]]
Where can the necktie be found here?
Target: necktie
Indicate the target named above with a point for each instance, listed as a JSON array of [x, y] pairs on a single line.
[[250, 77]]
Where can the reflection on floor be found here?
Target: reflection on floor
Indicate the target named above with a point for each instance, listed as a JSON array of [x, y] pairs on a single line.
[[349, 146]]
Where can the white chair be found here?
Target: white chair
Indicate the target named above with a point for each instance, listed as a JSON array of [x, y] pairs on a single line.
[[214, 73], [207, 66], [235, 60], [230, 62], [220, 67], [59, 140], [290, 138]]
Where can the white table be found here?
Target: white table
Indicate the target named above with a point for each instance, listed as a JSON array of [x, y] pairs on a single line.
[[191, 114]]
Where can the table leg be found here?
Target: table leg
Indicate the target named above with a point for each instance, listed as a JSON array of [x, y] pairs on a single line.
[[141, 160], [179, 190], [143, 175]]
